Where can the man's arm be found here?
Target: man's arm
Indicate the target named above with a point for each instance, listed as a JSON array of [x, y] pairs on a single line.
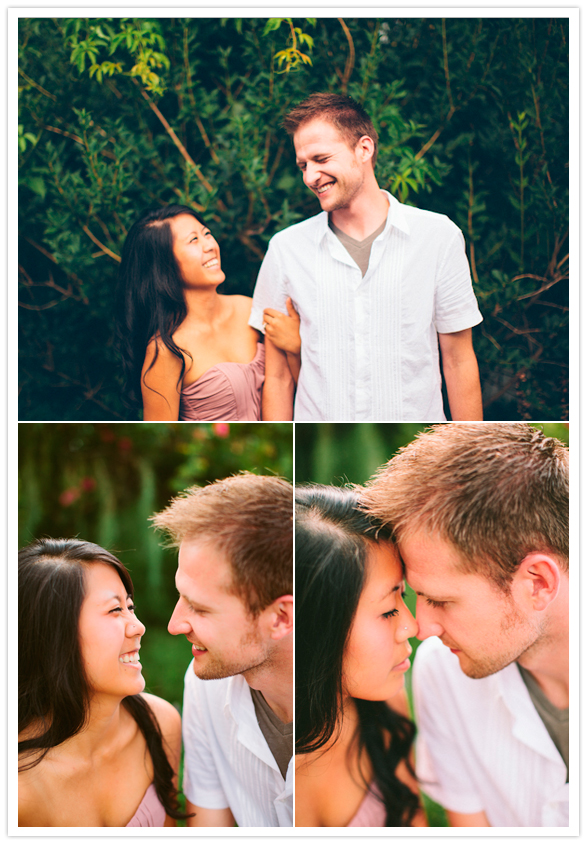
[[461, 374], [465, 820], [209, 817], [278, 390]]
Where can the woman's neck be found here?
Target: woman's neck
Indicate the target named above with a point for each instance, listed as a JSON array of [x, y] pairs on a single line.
[[103, 734], [203, 306]]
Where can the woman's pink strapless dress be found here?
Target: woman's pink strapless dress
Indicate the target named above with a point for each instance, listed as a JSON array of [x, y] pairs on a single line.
[[228, 391], [150, 812], [371, 812]]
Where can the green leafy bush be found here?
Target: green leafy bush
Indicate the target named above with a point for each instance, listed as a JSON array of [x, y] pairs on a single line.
[[120, 114]]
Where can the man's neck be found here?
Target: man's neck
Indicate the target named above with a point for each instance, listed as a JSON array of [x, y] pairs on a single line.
[[275, 682], [548, 662], [364, 214]]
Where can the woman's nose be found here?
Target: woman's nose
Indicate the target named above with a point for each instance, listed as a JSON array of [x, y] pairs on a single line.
[[136, 628], [408, 626]]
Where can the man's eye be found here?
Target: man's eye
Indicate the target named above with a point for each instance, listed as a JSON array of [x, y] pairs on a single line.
[[434, 603]]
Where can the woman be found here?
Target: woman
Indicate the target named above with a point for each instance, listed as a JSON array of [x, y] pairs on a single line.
[[93, 750], [187, 349], [352, 629]]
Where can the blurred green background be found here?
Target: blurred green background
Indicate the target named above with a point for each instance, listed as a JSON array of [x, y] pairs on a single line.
[[337, 453], [101, 482]]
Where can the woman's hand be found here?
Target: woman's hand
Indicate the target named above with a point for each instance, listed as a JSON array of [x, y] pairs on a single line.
[[283, 329]]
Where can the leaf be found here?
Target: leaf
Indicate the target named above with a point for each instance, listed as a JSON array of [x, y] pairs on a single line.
[[272, 24], [37, 185]]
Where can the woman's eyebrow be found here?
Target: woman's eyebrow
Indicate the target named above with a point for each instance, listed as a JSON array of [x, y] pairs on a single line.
[[114, 596], [391, 590]]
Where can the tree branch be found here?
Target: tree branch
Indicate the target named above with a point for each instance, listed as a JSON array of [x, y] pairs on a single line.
[[350, 62], [181, 149]]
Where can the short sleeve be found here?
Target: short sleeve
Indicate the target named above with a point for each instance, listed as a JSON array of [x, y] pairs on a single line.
[[455, 304], [201, 782], [441, 768], [270, 288]]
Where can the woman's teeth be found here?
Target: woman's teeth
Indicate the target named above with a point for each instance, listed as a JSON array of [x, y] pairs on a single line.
[[212, 263], [130, 658]]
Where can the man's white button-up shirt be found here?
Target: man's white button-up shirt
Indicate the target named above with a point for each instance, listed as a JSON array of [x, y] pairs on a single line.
[[482, 745], [370, 344], [227, 762]]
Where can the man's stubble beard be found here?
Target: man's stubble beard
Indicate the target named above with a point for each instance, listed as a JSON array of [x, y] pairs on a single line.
[[218, 668], [527, 638], [349, 190]]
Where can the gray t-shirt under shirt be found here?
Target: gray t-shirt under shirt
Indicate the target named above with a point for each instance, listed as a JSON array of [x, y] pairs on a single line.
[[555, 719], [359, 251], [279, 736]]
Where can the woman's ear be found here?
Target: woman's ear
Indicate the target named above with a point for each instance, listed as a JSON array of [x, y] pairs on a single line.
[[540, 574], [280, 617]]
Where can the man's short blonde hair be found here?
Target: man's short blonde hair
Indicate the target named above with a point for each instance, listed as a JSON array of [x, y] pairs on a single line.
[[496, 491], [250, 519]]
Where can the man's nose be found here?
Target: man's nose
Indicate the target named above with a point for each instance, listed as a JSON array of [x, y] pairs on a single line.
[[310, 174], [428, 625], [178, 624]]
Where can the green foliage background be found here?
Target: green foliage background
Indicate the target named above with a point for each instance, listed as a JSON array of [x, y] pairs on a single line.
[[120, 114], [102, 482]]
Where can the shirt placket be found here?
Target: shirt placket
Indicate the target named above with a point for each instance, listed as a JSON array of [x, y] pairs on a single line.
[[362, 410]]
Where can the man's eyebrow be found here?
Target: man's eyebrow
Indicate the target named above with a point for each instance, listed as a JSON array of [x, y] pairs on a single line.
[[194, 603], [433, 598]]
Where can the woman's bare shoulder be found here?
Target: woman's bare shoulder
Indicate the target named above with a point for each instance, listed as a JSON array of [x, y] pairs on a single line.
[[240, 304], [167, 715], [31, 796]]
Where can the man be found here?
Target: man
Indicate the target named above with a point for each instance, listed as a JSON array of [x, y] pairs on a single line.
[[480, 514], [235, 607], [378, 285]]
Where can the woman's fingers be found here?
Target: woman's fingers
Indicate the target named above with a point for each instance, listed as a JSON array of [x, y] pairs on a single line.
[[291, 310]]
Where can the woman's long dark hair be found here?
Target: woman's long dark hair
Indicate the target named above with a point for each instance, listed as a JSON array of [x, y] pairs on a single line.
[[53, 691], [332, 541], [150, 297]]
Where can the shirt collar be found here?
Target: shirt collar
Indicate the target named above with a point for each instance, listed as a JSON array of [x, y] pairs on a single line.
[[527, 723], [239, 703], [396, 218]]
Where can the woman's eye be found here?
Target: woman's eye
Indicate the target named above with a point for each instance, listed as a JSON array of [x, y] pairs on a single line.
[[389, 614], [132, 608], [112, 610]]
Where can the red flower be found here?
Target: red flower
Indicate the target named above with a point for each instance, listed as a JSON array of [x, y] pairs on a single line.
[[221, 430], [69, 496]]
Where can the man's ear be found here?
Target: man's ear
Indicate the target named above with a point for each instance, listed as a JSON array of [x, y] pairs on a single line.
[[279, 617], [365, 148], [540, 575]]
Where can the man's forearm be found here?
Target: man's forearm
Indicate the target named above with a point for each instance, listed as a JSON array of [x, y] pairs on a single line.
[[461, 374], [209, 817], [464, 390]]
